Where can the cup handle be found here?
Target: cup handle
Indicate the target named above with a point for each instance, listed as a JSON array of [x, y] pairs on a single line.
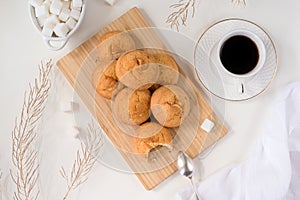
[[50, 46], [240, 87]]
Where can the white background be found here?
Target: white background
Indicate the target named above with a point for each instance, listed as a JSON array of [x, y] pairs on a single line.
[[22, 49]]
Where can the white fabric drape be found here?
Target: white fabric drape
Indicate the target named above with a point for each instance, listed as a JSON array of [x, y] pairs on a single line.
[[272, 170]]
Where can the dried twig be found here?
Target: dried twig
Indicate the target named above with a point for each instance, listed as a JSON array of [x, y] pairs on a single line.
[[239, 2], [180, 16], [85, 160], [24, 134]]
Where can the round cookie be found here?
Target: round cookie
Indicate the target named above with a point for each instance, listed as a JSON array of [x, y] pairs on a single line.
[[170, 105], [132, 106], [151, 135], [168, 69], [137, 70], [108, 35], [113, 44], [105, 80]]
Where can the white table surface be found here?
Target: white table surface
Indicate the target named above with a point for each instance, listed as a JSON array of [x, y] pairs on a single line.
[[22, 49]]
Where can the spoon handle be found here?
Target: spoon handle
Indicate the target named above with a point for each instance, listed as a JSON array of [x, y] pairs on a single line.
[[195, 189]]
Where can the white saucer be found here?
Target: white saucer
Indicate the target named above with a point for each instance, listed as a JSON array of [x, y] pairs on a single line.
[[221, 84]]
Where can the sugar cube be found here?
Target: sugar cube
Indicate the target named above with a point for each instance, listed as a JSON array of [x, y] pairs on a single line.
[[48, 3], [75, 8], [76, 3], [64, 14], [207, 125], [75, 14], [56, 7], [47, 32], [36, 3], [61, 29], [41, 21], [49, 25], [66, 4], [66, 106], [53, 19], [71, 23], [74, 131], [42, 11], [48, 29]]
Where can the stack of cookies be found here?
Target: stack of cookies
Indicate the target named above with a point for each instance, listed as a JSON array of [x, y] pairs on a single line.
[[142, 84]]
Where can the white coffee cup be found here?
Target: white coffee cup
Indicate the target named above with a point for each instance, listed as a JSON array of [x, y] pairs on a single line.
[[259, 44], [239, 79]]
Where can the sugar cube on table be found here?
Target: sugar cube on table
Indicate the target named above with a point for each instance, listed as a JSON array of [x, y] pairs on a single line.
[[71, 23], [74, 131], [75, 14], [42, 11], [64, 14], [61, 29], [36, 3], [207, 125], [56, 7], [66, 106], [48, 29], [76, 3]]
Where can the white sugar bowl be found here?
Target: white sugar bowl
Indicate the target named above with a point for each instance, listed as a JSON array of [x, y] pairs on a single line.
[[56, 20]]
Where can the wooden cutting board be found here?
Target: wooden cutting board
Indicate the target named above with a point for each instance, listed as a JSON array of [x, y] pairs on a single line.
[[78, 70]]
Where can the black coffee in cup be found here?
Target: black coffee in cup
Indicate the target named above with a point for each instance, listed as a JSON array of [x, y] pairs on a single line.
[[239, 54]]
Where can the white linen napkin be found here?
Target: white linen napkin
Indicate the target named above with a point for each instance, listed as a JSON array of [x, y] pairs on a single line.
[[272, 170]]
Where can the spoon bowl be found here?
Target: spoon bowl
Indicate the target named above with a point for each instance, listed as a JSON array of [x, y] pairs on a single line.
[[185, 165]]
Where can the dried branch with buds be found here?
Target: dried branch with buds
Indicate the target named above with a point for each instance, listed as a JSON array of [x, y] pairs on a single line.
[[239, 2], [85, 160], [180, 16], [24, 152], [183, 8]]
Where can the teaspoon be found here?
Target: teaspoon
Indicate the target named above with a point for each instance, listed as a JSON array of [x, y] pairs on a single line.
[[186, 168]]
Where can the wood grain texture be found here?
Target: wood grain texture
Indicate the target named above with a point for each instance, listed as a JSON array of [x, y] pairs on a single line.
[[78, 67]]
